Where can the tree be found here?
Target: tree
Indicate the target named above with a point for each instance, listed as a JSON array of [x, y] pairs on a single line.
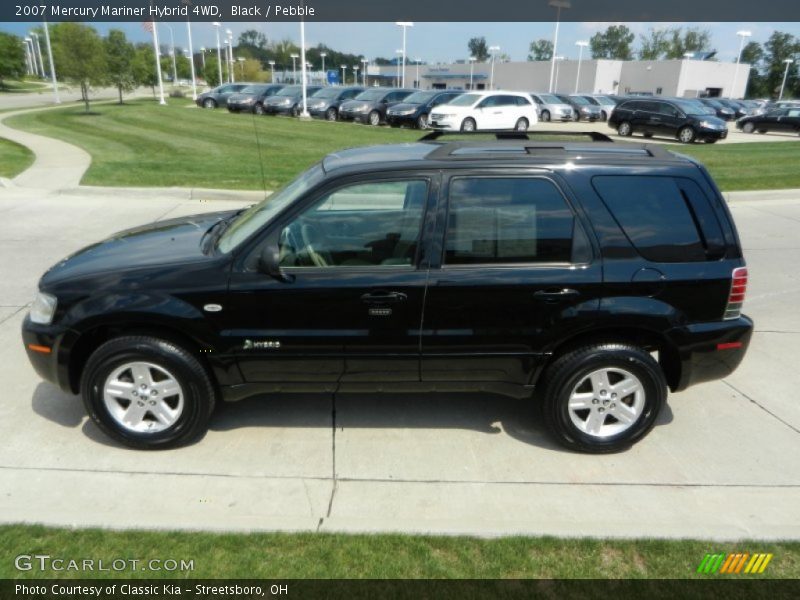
[[614, 43], [12, 57], [541, 50], [779, 47], [681, 42], [211, 71], [753, 55], [478, 48], [250, 70], [144, 67], [80, 55], [120, 55], [252, 38], [654, 45]]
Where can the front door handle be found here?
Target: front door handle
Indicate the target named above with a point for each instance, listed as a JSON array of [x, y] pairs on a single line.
[[383, 297], [555, 294]]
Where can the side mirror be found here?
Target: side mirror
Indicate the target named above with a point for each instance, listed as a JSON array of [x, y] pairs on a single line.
[[269, 264]]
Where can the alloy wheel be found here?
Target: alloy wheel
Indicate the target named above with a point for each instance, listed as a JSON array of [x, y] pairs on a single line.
[[606, 402]]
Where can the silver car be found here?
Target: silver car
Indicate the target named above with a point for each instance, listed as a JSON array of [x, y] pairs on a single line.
[[605, 103], [551, 108]]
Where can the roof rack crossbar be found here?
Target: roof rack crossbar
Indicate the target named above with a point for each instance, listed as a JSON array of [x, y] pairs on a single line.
[[504, 134]]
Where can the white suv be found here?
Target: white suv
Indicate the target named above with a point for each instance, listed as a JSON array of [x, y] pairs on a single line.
[[485, 110]]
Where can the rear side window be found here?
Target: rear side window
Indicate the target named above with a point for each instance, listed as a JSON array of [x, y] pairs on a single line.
[[502, 220], [667, 219]]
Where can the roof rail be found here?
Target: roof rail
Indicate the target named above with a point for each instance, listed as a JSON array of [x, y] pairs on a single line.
[[505, 134]]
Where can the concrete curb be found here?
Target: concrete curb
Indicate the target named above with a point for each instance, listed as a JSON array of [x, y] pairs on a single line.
[[761, 195], [171, 193]]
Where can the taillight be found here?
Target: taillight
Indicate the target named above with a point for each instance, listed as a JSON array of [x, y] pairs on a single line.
[[736, 298]]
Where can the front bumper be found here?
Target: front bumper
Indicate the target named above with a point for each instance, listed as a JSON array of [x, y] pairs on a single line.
[[709, 351], [397, 120], [318, 112], [51, 366], [347, 115], [238, 107], [272, 109], [712, 134]]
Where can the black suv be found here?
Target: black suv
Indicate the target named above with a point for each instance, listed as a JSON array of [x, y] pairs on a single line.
[[591, 276], [415, 109], [679, 119]]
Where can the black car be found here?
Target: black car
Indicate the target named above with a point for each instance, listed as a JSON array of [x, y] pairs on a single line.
[[370, 106], [723, 112], [326, 102], [251, 98], [415, 109], [219, 95], [588, 276], [289, 101], [783, 120], [583, 109], [739, 109], [679, 119]]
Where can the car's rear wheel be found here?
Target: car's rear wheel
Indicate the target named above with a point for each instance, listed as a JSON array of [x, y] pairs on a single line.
[[468, 124], [521, 124], [209, 103], [625, 129], [147, 393], [604, 115], [603, 397], [686, 134], [374, 118], [422, 121], [331, 114], [545, 115], [748, 128], [762, 131], [295, 111]]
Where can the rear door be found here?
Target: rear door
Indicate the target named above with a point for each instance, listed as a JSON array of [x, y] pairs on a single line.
[[514, 270]]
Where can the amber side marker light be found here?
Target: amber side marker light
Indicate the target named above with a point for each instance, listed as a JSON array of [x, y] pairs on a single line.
[[42, 349]]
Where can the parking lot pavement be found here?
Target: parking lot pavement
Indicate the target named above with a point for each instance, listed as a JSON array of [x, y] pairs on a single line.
[[722, 462], [734, 135]]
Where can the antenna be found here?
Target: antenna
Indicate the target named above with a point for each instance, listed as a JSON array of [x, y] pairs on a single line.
[[260, 159]]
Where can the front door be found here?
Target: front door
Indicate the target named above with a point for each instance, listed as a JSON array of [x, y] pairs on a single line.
[[516, 271], [350, 304]]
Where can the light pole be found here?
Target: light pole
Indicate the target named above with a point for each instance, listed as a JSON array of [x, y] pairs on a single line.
[[157, 50], [52, 64], [294, 67], [172, 54], [558, 64], [303, 66], [397, 60], [240, 60], [355, 74], [493, 50], [231, 71], [744, 35], [788, 61], [272, 66], [558, 5], [344, 69], [581, 45], [404, 25], [417, 83], [29, 40], [472, 60], [364, 62], [29, 56], [217, 25], [324, 75], [38, 52], [203, 57], [191, 60]]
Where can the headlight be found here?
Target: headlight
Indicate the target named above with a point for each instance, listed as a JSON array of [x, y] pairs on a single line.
[[361, 108], [43, 308], [409, 111], [248, 100], [710, 125]]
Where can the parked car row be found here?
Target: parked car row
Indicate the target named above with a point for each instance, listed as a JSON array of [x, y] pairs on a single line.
[[678, 118], [782, 120]]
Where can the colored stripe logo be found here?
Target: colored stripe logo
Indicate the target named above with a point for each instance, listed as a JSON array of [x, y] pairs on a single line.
[[735, 563]]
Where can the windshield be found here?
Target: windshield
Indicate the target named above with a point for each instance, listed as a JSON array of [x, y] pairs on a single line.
[[550, 99], [289, 90], [465, 100], [258, 215], [331, 92], [579, 100], [604, 100], [714, 103], [420, 97], [690, 108], [254, 89], [371, 95], [698, 108]]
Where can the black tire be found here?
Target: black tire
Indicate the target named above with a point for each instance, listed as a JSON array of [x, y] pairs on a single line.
[[295, 112], [545, 115], [258, 109], [570, 369], [198, 390], [422, 121], [331, 114], [762, 131], [209, 103], [647, 134], [374, 118], [625, 129], [603, 115], [687, 134], [748, 127], [468, 124], [521, 124]]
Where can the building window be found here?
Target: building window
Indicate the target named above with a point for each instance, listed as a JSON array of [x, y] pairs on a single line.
[[659, 91]]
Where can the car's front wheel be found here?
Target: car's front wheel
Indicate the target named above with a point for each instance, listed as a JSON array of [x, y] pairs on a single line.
[[422, 121], [209, 103], [468, 125], [625, 129], [374, 118], [259, 109], [686, 134], [521, 125], [603, 397], [748, 127], [147, 393], [330, 114], [545, 115]]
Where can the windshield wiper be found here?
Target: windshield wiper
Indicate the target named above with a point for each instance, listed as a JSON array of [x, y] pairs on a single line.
[[217, 229]]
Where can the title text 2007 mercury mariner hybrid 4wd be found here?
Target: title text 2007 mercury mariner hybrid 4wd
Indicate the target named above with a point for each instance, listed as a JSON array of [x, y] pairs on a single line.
[[591, 276]]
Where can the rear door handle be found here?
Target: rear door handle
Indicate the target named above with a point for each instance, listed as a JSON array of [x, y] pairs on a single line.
[[383, 297], [555, 294]]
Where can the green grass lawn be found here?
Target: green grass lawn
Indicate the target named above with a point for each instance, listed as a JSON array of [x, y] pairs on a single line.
[[14, 159], [13, 86], [143, 144], [308, 555]]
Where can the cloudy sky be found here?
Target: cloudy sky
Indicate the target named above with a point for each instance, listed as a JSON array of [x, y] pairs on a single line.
[[439, 42]]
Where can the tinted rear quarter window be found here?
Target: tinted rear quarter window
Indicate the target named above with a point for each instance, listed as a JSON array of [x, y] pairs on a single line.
[[667, 219]]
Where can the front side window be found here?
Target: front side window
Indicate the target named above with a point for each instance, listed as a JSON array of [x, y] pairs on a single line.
[[502, 220], [374, 224]]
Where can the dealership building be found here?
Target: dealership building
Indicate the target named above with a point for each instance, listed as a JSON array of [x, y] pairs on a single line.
[[686, 77]]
